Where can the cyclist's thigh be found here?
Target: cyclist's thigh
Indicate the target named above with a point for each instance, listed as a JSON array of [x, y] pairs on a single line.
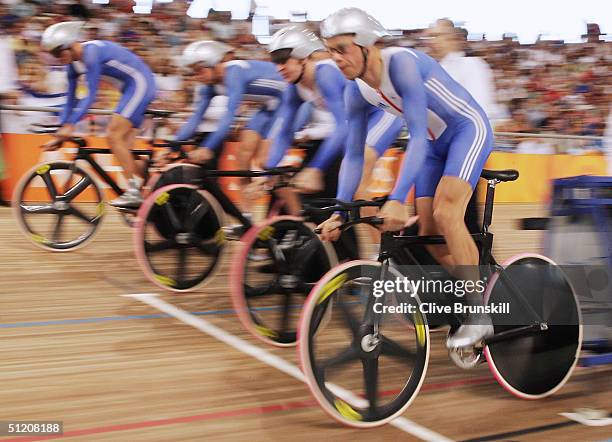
[[261, 122], [431, 171], [134, 102], [383, 130], [468, 151]]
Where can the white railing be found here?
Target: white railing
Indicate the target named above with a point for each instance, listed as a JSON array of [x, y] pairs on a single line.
[[510, 141]]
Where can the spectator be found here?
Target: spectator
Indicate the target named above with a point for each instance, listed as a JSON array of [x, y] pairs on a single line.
[[608, 142], [8, 88], [473, 73]]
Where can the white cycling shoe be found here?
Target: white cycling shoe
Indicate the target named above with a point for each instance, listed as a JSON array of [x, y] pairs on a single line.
[[475, 328]]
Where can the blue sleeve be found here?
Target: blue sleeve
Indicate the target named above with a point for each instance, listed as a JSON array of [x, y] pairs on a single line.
[[331, 82], [407, 80], [70, 99], [235, 84], [303, 116], [282, 128], [91, 59], [188, 129], [352, 163]]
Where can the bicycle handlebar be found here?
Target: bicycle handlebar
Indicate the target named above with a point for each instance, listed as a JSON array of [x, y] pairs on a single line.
[[343, 206], [371, 220], [253, 173]]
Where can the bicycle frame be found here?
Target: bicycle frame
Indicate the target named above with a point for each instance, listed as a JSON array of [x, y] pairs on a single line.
[[394, 247], [85, 153]]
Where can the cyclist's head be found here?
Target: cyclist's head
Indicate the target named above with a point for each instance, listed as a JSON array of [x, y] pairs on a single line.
[[289, 48], [349, 34], [202, 57], [59, 38]]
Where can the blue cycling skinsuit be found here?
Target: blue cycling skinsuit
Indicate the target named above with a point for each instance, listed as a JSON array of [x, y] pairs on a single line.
[[105, 60], [256, 81], [328, 96], [450, 134]]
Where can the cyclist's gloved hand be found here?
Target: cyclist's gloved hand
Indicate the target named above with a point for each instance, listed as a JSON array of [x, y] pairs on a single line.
[[201, 155], [255, 189], [65, 131], [329, 228], [167, 158], [396, 216], [54, 144]]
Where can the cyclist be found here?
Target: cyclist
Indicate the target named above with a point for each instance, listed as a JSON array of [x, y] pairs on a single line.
[[96, 59], [213, 64], [314, 78], [450, 140]]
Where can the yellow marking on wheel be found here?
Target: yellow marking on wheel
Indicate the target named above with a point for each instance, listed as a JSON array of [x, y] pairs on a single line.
[[420, 329], [39, 239], [169, 282], [100, 209], [346, 410], [266, 233], [162, 198], [265, 331], [220, 236], [332, 286], [43, 169]]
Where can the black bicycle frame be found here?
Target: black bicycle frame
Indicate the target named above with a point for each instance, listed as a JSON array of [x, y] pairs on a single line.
[[85, 153], [394, 247]]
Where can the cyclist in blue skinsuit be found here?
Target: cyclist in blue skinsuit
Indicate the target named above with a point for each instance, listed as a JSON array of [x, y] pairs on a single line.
[[450, 140], [213, 64], [314, 78], [95, 60]]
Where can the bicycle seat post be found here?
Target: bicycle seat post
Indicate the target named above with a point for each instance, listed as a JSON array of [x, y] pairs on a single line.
[[488, 211]]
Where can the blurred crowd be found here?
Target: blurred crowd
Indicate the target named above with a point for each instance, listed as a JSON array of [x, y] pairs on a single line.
[[547, 87]]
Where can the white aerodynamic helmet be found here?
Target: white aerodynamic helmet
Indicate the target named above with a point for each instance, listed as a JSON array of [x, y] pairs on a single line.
[[61, 35], [367, 29], [301, 41], [208, 52]]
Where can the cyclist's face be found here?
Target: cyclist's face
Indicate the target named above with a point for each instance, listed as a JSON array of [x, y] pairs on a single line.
[[346, 54], [290, 69], [64, 56], [205, 75]]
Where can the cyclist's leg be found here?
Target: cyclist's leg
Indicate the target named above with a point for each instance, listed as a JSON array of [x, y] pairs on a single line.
[[118, 136], [346, 247], [129, 115], [467, 153], [425, 189], [383, 130], [251, 143]]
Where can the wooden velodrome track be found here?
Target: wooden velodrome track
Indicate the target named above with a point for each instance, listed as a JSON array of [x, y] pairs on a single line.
[[114, 368]]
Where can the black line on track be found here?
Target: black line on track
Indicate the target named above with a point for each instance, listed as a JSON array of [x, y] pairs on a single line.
[[529, 430]]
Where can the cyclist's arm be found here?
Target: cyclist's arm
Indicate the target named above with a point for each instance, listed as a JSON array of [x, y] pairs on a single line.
[[186, 131], [303, 116], [331, 82], [235, 84], [407, 80], [70, 98], [282, 128], [91, 59], [352, 163]]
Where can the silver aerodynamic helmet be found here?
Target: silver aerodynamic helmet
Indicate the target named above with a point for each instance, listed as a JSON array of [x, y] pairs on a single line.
[[366, 29], [209, 53], [301, 41], [61, 35]]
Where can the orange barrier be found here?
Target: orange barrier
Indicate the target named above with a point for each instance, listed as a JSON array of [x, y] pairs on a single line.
[[21, 152]]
